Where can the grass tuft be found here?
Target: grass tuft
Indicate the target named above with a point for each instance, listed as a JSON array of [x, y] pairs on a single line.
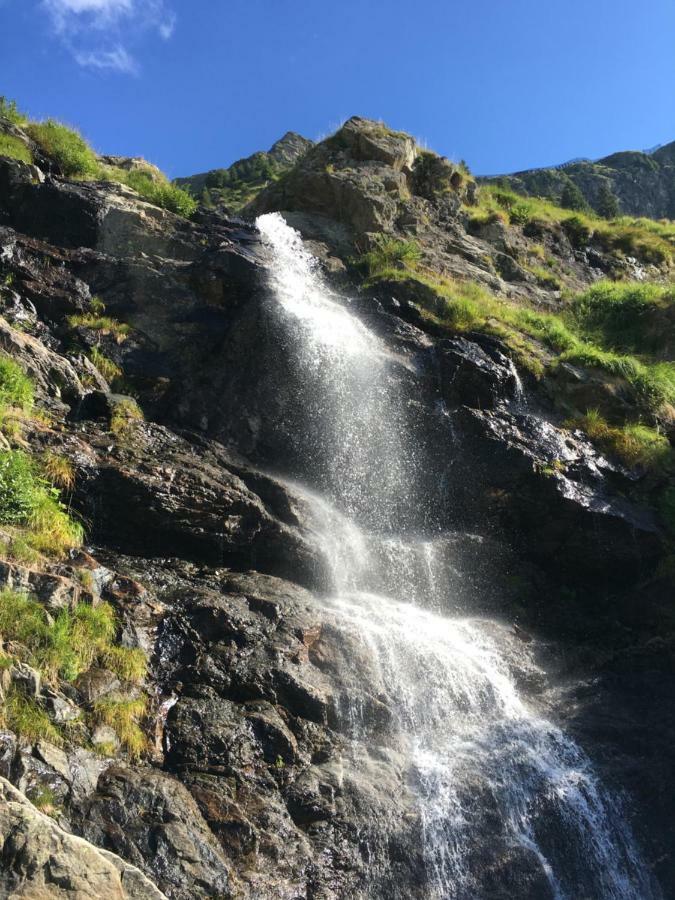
[[633, 444], [14, 147], [66, 147], [108, 369], [124, 717]]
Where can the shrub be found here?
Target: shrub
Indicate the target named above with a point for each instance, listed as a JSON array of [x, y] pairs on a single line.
[[578, 231], [572, 198], [14, 147], [607, 205], [66, 147]]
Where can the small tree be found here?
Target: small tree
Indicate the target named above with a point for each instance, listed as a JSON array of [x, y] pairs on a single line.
[[572, 198], [608, 203]]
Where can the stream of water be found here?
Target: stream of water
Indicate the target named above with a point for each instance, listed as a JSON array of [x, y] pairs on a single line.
[[480, 754]]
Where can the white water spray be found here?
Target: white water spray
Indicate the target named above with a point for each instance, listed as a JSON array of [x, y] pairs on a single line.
[[481, 760]]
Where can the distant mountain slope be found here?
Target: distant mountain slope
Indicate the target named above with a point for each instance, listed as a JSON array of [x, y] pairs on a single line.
[[642, 183], [237, 185]]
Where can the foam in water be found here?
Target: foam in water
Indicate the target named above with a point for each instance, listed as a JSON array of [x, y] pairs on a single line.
[[480, 757]]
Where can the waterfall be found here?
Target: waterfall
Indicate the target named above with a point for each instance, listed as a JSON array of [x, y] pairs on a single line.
[[482, 759]]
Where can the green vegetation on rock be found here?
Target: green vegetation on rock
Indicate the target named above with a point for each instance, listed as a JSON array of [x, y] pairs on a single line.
[[76, 159], [31, 505], [60, 648], [66, 147], [14, 147], [10, 111], [648, 240]]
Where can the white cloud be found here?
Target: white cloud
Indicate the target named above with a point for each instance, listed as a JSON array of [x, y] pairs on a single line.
[[118, 60], [97, 32]]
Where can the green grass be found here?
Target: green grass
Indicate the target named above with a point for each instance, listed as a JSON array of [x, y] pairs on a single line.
[[633, 444], [58, 470], [76, 159], [10, 111], [124, 717], [14, 147], [125, 413], [104, 324], [388, 252], [66, 147], [28, 719], [651, 242], [29, 503], [628, 317], [466, 306], [16, 388], [109, 369], [61, 647], [162, 193]]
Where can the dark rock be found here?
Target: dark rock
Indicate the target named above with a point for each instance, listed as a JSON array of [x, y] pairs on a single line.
[[471, 376], [151, 820]]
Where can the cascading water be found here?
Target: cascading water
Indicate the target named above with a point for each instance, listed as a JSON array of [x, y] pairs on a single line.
[[480, 758]]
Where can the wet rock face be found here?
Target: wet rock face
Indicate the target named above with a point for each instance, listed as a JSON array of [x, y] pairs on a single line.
[[256, 786], [152, 821]]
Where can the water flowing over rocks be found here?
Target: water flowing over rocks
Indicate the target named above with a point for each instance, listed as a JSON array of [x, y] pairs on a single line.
[[339, 535]]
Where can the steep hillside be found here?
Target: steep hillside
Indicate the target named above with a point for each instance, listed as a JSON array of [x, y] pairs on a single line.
[[189, 477], [629, 183], [237, 185]]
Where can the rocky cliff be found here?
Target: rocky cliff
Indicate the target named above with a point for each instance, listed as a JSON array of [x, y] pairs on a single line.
[[161, 375], [630, 183]]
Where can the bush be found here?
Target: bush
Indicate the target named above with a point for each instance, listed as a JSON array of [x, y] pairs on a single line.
[[66, 147], [572, 198], [14, 147], [608, 204]]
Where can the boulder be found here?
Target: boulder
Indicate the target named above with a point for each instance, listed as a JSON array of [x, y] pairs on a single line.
[[42, 862]]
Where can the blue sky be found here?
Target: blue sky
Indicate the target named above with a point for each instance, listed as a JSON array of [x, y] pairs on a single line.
[[195, 84]]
